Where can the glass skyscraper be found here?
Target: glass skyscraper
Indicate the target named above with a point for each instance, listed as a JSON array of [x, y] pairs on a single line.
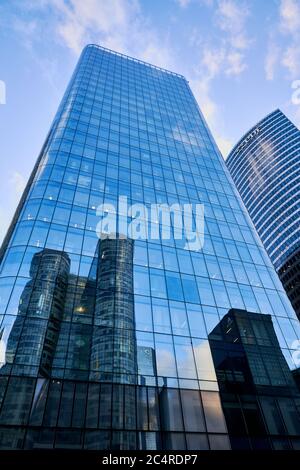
[[139, 343], [265, 166]]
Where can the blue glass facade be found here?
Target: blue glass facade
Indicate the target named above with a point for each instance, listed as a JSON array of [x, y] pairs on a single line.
[[265, 166], [107, 344]]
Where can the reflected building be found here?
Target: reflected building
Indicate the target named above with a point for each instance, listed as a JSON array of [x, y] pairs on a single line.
[[259, 395], [33, 337], [114, 344], [147, 363], [104, 342], [113, 349], [107, 347], [265, 166]]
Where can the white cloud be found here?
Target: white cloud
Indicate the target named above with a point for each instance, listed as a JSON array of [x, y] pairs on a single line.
[[212, 60], [117, 24], [288, 27], [271, 60], [291, 59], [121, 25], [223, 58], [289, 11], [17, 183], [201, 90], [210, 110], [228, 55], [80, 21], [183, 3], [224, 144], [235, 63], [28, 30], [231, 17]]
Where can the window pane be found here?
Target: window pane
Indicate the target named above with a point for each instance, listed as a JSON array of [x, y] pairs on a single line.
[[214, 417], [192, 411]]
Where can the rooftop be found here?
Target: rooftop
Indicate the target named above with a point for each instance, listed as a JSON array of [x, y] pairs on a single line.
[[138, 61]]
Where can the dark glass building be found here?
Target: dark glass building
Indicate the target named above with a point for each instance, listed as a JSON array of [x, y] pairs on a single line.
[[265, 166], [109, 342], [258, 391]]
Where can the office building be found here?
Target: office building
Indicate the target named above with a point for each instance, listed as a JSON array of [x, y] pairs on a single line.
[[264, 165], [105, 337]]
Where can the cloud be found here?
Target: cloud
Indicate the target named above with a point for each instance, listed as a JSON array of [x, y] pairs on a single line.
[[289, 11], [218, 58], [122, 25], [225, 145], [235, 63], [291, 59], [183, 3], [116, 24], [80, 21], [288, 29], [201, 91], [231, 16], [210, 110], [227, 55], [212, 60], [271, 60], [17, 183], [28, 30]]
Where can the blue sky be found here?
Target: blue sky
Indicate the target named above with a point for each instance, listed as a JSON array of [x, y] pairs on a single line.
[[240, 57]]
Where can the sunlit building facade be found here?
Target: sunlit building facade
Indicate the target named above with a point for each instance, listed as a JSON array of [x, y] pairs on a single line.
[[265, 166], [109, 343]]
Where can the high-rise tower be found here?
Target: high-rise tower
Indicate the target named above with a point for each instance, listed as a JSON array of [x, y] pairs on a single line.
[[124, 322], [265, 166]]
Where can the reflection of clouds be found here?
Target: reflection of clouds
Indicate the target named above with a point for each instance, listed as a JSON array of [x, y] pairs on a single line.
[[265, 149], [185, 137], [2, 352], [165, 362], [188, 360], [203, 359], [215, 419], [3, 345]]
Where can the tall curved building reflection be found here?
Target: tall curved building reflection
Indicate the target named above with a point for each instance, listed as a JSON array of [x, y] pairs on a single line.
[[33, 337], [114, 349]]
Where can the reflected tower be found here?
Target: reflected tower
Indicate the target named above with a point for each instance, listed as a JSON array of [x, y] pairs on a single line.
[[259, 396], [33, 337], [114, 354]]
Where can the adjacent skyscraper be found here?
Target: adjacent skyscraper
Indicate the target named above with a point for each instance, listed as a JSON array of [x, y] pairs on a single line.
[[107, 341], [265, 166]]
